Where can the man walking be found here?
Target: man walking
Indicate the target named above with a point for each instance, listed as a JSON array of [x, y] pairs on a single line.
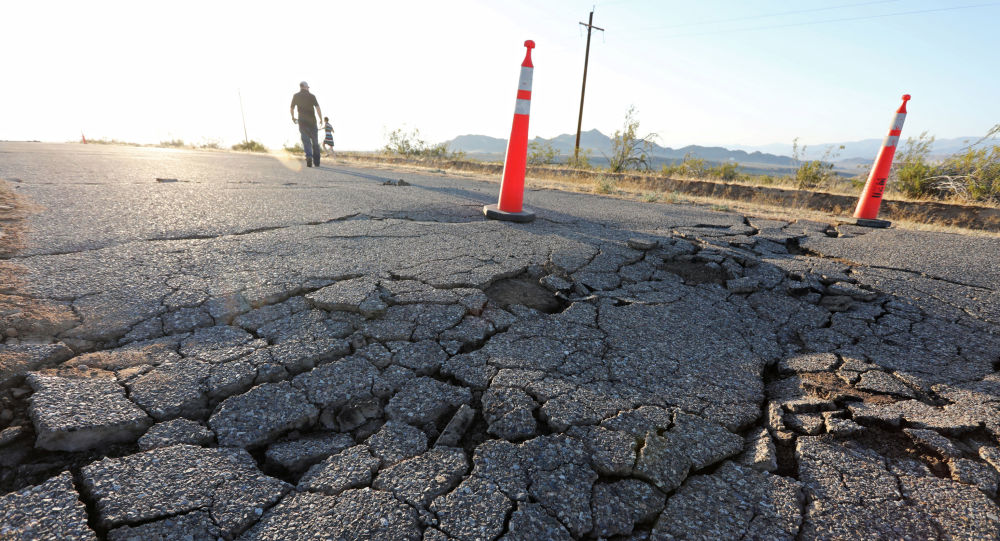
[[305, 102]]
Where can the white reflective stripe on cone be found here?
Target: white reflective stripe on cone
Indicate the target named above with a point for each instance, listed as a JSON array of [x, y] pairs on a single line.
[[891, 141], [525, 82], [522, 107], [897, 123]]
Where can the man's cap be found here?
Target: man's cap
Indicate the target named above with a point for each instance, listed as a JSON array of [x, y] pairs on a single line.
[[304, 84]]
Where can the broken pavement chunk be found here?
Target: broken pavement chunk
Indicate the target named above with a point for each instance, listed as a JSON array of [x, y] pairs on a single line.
[[344, 295], [174, 432], [51, 510], [297, 455], [173, 480], [420, 479], [261, 414], [77, 414], [476, 509], [350, 468], [424, 399]]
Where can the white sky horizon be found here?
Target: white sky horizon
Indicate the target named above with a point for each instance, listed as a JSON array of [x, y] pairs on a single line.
[[714, 73]]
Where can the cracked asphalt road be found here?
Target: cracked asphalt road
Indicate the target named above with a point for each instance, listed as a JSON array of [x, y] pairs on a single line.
[[259, 351]]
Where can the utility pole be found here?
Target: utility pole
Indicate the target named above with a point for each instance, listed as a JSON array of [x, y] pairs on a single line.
[[242, 114], [586, 59]]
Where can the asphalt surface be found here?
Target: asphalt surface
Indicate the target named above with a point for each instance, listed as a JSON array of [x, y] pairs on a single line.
[[257, 350]]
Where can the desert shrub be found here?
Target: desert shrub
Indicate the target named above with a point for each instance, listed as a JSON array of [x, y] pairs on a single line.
[[250, 146], [973, 174], [106, 141], [726, 171], [911, 174], [813, 173], [173, 143], [441, 151], [581, 160], [405, 143], [694, 167], [605, 184], [295, 149], [542, 153], [408, 143], [628, 150]]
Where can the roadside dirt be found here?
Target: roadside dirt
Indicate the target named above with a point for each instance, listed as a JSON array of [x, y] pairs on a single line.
[[21, 316]]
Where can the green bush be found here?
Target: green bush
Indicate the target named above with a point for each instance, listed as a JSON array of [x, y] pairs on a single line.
[[628, 150], [105, 141], [972, 174], [605, 184], [693, 167], [911, 174], [813, 173], [174, 143], [250, 146], [581, 160], [542, 153], [726, 171], [404, 143], [295, 149]]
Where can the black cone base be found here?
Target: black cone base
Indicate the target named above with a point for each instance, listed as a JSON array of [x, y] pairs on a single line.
[[494, 213], [873, 223]]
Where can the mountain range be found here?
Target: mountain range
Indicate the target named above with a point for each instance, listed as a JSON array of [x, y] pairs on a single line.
[[600, 145], [777, 155], [863, 150]]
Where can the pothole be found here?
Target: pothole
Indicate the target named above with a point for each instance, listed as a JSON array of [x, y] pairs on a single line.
[[526, 292]]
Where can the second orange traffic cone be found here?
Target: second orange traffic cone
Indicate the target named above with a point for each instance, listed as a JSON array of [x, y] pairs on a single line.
[[509, 207], [871, 197]]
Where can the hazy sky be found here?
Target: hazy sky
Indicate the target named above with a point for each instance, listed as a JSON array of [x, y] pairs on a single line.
[[708, 72]]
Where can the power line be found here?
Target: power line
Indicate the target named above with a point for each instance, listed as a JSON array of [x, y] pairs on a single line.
[[765, 15], [822, 21]]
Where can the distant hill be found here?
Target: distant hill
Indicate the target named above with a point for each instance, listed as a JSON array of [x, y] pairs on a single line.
[[772, 158], [478, 144], [863, 150], [600, 145]]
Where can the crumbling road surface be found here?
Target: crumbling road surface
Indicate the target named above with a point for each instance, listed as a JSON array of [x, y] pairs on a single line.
[[259, 351]]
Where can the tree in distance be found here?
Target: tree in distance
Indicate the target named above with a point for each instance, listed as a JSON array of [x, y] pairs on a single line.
[[628, 150]]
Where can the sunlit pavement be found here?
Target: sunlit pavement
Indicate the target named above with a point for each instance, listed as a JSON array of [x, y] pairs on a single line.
[[258, 350]]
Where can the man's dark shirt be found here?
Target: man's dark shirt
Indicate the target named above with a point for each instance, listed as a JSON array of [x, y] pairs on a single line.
[[305, 101]]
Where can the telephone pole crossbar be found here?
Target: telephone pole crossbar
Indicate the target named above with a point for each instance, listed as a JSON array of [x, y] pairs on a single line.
[[586, 60]]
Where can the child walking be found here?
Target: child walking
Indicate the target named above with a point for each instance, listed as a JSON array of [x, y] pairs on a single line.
[[328, 140]]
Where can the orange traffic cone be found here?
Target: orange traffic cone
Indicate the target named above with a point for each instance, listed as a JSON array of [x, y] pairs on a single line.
[[871, 198], [84, 137], [512, 186]]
